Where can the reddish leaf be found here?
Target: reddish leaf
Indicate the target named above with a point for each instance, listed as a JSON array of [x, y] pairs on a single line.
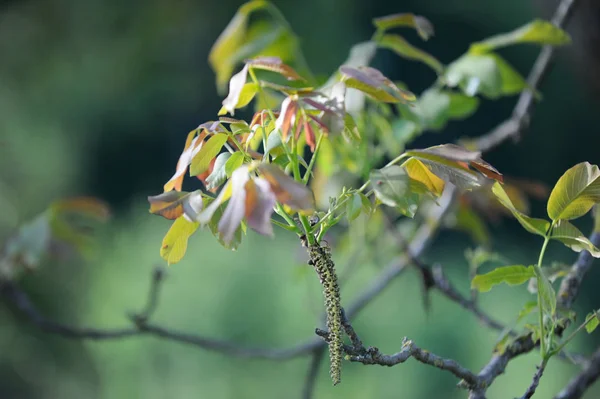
[[287, 117], [309, 133], [260, 201], [192, 147], [287, 191], [274, 64]]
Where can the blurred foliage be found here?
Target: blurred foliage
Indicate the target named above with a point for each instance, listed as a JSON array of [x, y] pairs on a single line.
[[91, 95]]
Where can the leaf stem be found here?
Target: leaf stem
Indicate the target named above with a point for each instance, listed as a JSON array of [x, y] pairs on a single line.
[[540, 274]]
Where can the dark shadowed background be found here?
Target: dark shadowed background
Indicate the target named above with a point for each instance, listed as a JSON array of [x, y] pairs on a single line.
[[96, 98]]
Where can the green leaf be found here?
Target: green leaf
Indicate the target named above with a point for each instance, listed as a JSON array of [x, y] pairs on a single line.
[[404, 49], [538, 32], [575, 192], [213, 225], [28, 246], [373, 83], [392, 185], [174, 244], [235, 161], [354, 206], [209, 150], [570, 235], [511, 275], [246, 94], [528, 308], [436, 107], [219, 174], [532, 225], [591, 322], [222, 57], [547, 294], [486, 74], [422, 25]]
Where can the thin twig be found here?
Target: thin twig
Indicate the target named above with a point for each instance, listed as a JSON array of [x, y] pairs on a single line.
[[536, 380], [313, 372], [409, 349]]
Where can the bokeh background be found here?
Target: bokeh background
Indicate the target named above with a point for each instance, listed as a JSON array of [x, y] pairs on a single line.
[[96, 98]]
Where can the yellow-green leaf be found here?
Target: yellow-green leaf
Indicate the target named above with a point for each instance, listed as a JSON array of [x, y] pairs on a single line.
[[591, 322], [404, 49], [575, 192], [422, 25], [174, 244], [418, 171], [511, 275], [573, 238], [222, 55], [373, 83], [209, 150], [532, 225], [538, 32]]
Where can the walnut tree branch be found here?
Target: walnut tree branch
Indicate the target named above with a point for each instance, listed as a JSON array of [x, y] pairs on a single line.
[[521, 116], [582, 381]]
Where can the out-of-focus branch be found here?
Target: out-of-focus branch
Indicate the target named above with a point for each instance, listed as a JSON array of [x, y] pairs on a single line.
[[569, 288], [582, 381], [513, 127], [313, 372]]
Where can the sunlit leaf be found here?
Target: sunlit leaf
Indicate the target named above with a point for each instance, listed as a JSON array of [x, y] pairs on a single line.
[[219, 172], [538, 32], [240, 93], [234, 162], [575, 192], [193, 145], [451, 163], [404, 49], [486, 74], [372, 82], [570, 235], [532, 225], [222, 55], [260, 201], [418, 171], [423, 27], [274, 64], [174, 244], [591, 322], [511, 275], [173, 204], [287, 116], [287, 191], [207, 153]]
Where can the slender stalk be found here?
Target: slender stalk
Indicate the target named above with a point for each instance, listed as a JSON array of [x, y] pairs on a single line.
[[539, 273], [313, 160]]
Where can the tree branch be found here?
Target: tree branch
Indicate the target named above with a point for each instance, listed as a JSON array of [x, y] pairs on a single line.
[[521, 116], [536, 381], [582, 381], [313, 373]]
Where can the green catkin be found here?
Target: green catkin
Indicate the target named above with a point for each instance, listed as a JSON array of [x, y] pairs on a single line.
[[320, 257]]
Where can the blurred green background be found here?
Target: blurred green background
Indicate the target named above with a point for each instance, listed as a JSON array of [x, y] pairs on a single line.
[[96, 98]]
